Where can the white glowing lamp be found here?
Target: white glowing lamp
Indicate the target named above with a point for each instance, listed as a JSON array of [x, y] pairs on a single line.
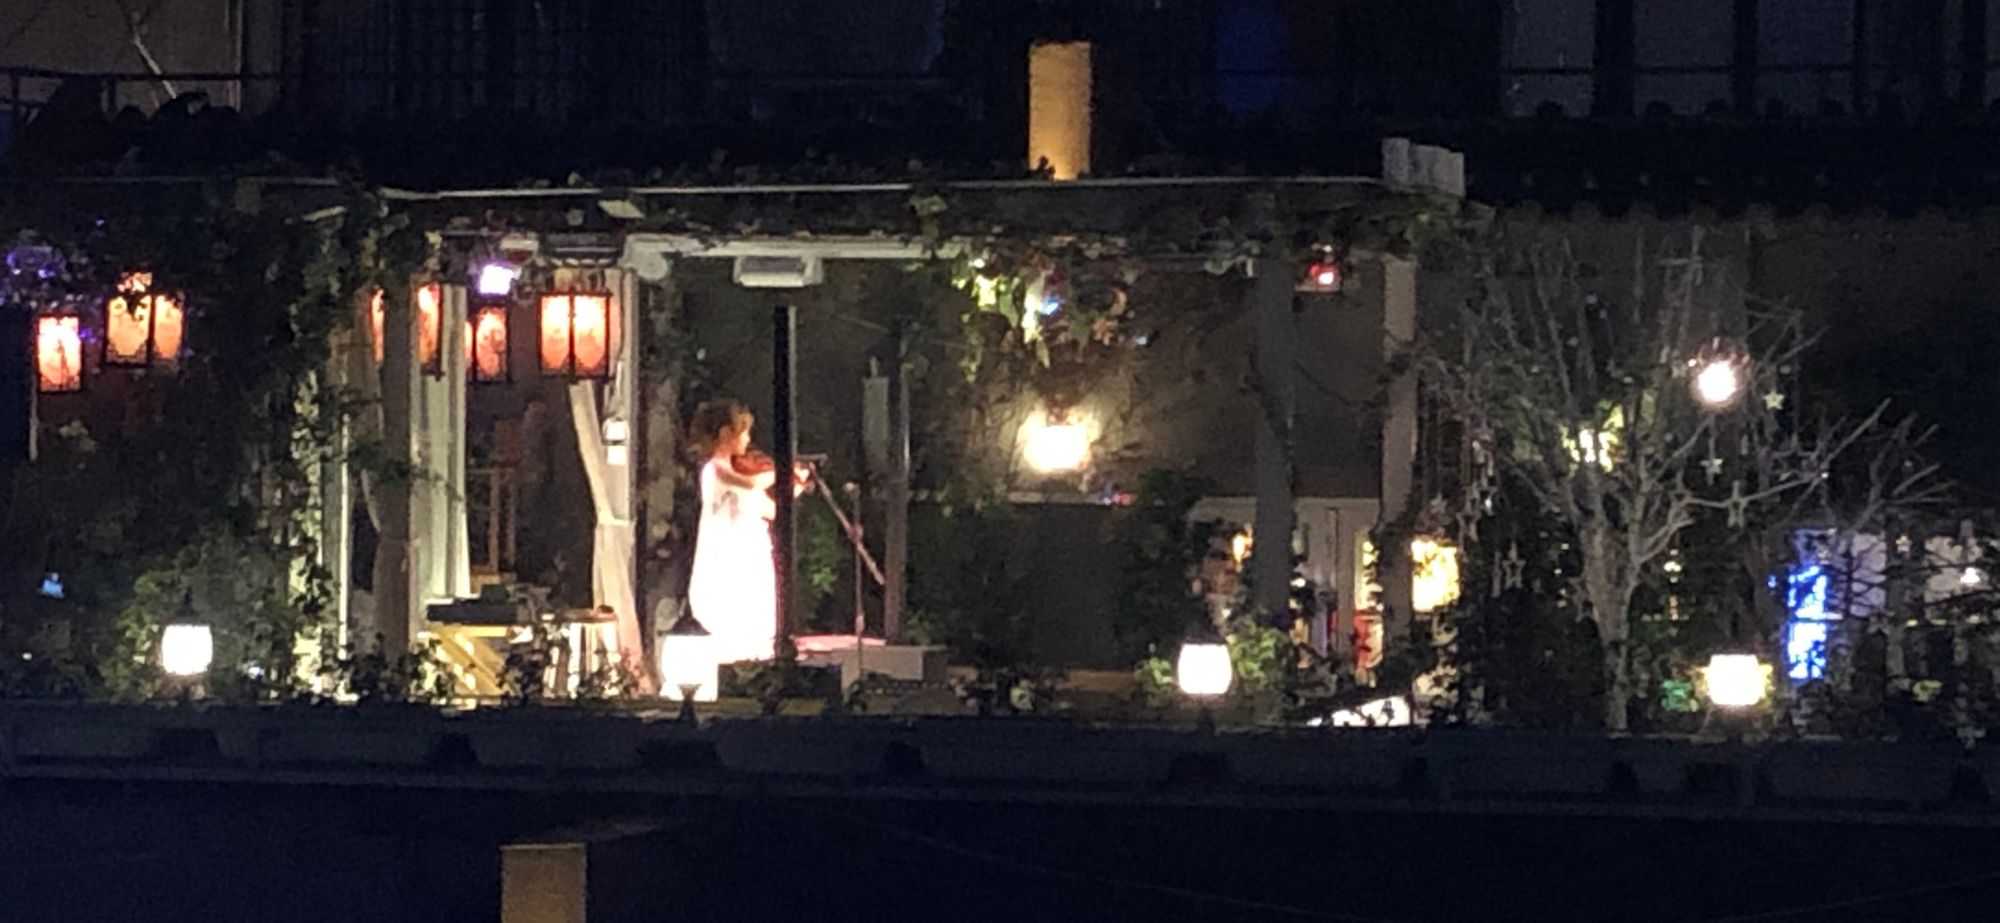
[[187, 645], [1735, 680], [1203, 671], [1718, 383], [1056, 445], [688, 662], [186, 650], [496, 279]]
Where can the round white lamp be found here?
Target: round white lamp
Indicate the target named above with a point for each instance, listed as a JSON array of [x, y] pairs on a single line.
[[1718, 375], [1203, 671], [1718, 383], [688, 665], [187, 644], [1735, 680]]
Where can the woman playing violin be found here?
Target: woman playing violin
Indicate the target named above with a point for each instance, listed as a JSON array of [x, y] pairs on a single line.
[[733, 586]]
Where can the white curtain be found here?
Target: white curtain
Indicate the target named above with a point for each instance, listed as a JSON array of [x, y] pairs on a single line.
[[443, 558], [613, 542]]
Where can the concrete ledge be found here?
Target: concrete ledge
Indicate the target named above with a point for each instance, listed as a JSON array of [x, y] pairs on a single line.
[[964, 757]]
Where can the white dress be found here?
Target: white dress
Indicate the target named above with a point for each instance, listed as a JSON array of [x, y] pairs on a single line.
[[733, 585]]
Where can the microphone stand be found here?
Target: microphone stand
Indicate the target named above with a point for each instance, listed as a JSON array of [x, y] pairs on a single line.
[[852, 528]]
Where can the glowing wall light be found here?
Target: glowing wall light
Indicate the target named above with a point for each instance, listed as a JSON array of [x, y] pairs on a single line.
[[1736, 680], [1433, 574], [59, 352], [496, 280], [142, 327], [1056, 444], [576, 334], [1321, 276]]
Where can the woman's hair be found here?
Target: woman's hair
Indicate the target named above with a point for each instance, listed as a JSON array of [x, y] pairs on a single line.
[[711, 419]]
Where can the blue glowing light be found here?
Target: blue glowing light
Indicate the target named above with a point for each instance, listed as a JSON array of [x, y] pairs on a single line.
[[52, 586], [1805, 650], [1806, 592]]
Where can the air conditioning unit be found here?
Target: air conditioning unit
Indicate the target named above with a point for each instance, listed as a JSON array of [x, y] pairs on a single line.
[[778, 271]]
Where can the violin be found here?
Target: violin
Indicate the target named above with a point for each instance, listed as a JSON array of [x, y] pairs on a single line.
[[754, 462]]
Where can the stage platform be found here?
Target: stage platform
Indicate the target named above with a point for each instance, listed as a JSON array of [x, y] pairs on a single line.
[[857, 657]]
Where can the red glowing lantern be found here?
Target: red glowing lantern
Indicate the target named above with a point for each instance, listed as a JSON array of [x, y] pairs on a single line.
[[576, 334], [430, 326], [486, 343], [59, 352], [142, 327]]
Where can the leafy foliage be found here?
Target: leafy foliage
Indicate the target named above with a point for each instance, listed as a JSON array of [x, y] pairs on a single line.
[[200, 486], [1163, 552], [969, 588]]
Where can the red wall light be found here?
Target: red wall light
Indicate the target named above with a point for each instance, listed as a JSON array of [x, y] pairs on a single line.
[[1321, 276]]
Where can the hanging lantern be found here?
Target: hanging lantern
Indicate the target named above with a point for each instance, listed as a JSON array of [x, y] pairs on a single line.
[[576, 334], [59, 352], [486, 343], [142, 327], [429, 302], [430, 328]]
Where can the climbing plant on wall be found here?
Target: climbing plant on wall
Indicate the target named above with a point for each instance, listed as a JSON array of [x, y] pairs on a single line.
[[196, 485]]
